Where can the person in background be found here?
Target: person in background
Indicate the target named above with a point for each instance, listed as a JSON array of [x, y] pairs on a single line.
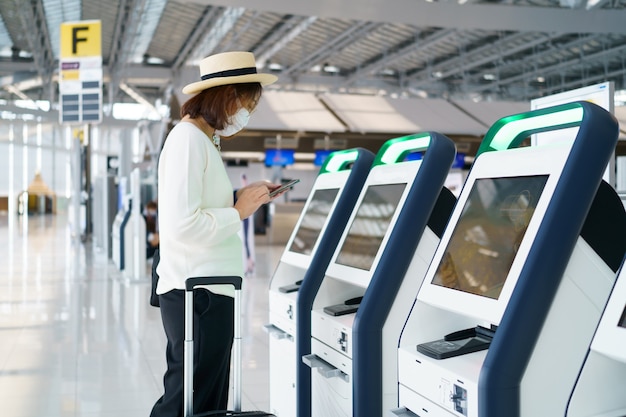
[[200, 218], [152, 228]]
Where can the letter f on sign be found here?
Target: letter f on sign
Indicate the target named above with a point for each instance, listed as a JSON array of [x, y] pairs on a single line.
[[76, 39]]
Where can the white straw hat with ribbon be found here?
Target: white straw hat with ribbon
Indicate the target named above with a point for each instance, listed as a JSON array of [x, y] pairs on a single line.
[[228, 68]]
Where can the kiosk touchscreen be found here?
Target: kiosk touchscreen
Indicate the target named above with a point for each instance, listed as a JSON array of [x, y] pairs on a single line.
[[321, 222], [520, 277], [601, 385], [392, 216]]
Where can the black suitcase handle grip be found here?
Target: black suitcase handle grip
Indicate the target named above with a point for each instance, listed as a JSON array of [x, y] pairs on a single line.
[[235, 281]]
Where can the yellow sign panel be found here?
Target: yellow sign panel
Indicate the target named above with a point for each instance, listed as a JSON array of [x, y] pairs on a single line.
[[70, 75], [81, 39], [79, 133]]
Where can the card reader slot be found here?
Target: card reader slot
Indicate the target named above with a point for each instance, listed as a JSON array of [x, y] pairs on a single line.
[[458, 343], [324, 368], [341, 309], [291, 287], [471, 332], [349, 306], [353, 301]]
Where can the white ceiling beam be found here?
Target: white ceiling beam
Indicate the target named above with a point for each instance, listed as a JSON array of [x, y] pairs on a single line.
[[211, 39], [556, 68], [239, 32], [294, 30], [264, 49], [328, 49], [33, 16], [138, 97], [447, 14], [388, 59], [475, 58], [203, 26]]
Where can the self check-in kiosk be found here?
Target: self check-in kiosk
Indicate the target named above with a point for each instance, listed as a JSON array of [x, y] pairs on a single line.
[[119, 233], [351, 305], [306, 257], [601, 385], [129, 232], [506, 312]]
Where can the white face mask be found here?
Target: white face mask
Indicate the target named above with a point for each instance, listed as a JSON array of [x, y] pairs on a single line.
[[238, 121]]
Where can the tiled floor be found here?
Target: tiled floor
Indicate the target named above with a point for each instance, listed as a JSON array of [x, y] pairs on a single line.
[[78, 339]]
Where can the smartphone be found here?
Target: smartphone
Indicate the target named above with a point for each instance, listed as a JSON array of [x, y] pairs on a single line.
[[283, 188]]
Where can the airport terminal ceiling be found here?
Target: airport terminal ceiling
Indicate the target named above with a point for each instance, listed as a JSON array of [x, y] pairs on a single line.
[[512, 50]]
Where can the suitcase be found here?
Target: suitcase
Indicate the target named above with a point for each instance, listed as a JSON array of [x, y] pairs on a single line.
[[190, 284]]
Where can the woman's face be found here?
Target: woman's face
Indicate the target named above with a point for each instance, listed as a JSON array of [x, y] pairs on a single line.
[[248, 96], [249, 104]]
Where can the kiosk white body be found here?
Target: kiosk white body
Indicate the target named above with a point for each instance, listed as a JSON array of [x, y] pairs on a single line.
[[347, 278], [401, 308], [431, 384], [601, 385], [508, 192], [116, 238], [283, 291]]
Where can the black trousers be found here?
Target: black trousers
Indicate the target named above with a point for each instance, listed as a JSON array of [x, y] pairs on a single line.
[[213, 340]]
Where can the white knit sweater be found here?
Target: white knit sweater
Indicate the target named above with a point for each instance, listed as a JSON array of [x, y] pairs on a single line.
[[198, 226]]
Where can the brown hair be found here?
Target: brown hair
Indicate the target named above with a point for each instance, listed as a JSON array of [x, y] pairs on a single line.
[[217, 104]]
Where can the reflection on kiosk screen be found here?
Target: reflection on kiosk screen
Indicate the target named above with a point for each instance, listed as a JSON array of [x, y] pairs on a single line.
[[622, 320], [370, 225], [487, 236], [313, 220]]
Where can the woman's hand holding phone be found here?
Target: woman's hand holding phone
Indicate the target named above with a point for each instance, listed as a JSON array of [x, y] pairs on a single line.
[[277, 191]]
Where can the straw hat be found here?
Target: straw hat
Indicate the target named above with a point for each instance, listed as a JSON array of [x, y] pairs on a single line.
[[228, 68]]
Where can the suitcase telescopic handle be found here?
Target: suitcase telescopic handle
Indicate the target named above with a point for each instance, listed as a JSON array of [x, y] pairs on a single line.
[[190, 284], [235, 281]]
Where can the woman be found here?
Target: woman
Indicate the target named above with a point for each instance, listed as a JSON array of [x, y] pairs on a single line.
[[199, 223]]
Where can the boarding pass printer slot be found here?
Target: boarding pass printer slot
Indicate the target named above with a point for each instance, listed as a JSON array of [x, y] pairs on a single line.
[[324, 368], [277, 333]]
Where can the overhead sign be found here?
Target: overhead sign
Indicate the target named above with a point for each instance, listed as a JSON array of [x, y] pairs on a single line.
[[81, 39], [80, 72], [330, 144], [284, 143], [602, 94]]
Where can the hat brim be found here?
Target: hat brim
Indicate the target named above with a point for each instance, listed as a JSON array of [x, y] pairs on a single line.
[[196, 87]]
